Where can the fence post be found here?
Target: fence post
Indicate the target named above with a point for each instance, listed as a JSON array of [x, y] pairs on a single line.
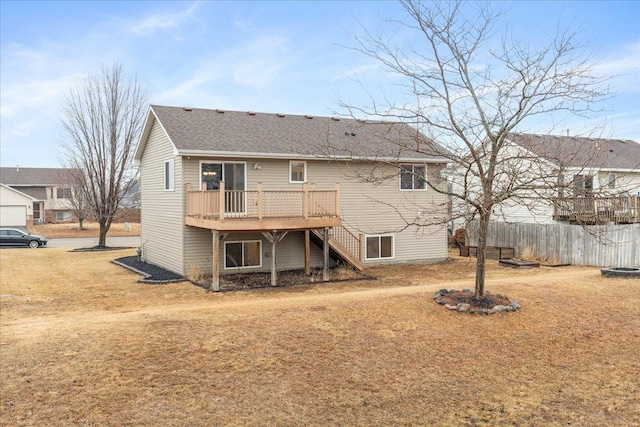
[[338, 199]]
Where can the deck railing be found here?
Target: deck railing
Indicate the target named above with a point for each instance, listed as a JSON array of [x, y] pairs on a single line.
[[598, 209], [350, 241], [260, 204]]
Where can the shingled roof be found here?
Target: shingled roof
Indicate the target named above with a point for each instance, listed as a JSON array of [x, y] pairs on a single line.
[[20, 176], [219, 132], [573, 151]]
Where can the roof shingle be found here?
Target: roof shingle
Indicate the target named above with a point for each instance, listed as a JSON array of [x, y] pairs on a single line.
[[573, 151], [194, 129]]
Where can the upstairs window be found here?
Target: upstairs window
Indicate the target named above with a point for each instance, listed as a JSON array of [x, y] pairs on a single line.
[[612, 181], [64, 193], [297, 172], [413, 177], [169, 177]]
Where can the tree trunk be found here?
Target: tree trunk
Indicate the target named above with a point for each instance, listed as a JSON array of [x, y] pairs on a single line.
[[81, 223], [481, 259], [102, 240]]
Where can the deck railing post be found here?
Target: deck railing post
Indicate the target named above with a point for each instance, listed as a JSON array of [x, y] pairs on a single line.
[[203, 187], [305, 201], [337, 213], [188, 202], [361, 246], [260, 195], [221, 198]]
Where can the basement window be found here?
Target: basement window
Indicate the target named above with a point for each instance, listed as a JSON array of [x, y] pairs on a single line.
[[379, 247], [242, 254]]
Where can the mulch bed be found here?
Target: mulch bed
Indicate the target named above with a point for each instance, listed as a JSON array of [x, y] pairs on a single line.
[[152, 273], [242, 281], [489, 301]]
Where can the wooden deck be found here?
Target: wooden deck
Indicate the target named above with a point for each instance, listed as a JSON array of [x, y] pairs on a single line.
[[597, 210], [260, 210], [274, 214]]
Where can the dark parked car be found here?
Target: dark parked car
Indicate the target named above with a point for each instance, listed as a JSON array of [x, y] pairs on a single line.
[[15, 237]]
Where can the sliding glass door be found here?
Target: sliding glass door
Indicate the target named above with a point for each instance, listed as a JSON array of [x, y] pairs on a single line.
[[233, 175]]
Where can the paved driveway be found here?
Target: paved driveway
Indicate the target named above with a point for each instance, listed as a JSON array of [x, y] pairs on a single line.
[[87, 242]]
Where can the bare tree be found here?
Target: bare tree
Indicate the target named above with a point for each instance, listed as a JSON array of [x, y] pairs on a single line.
[[102, 119], [76, 194], [470, 95]]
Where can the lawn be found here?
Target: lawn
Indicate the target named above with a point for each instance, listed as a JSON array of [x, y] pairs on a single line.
[[82, 343], [89, 229]]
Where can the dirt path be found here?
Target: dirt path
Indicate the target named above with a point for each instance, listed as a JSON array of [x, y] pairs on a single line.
[[263, 301]]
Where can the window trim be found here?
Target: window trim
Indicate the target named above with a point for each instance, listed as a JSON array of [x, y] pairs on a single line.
[[243, 242], [291, 163], [169, 167], [413, 176], [380, 236]]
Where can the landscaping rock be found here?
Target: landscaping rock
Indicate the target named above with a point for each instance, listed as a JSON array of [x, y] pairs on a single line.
[[450, 307], [500, 308], [466, 290], [437, 295], [515, 305], [463, 307]]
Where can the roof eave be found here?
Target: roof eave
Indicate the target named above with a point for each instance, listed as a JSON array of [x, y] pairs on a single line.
[[288, 156]]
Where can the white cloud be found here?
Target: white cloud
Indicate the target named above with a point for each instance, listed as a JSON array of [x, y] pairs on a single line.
[[165, 22]]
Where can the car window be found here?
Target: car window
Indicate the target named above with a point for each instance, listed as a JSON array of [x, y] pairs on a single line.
[[14, 233], [3, 232]]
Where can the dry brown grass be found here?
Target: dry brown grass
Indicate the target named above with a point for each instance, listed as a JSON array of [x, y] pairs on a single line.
[[82, 343], [90, 229]]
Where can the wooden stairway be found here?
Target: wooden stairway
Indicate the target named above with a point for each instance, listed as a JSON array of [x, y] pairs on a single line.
[[339, 250]]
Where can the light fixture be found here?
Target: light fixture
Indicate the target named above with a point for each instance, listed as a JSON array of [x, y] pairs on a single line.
[[256, 166]]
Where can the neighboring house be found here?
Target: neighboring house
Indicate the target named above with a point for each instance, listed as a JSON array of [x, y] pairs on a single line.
[[221, 190], [589, 180], [49, 187], [16, 208]]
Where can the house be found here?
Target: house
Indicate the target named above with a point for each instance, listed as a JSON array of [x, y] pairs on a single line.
[[562, 178], [49, 188], [227, 191], [16, 208]]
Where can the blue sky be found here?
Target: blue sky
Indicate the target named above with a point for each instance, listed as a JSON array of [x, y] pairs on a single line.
[[285, 57]]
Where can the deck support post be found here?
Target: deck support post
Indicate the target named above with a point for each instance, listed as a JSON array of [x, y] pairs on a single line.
[[325, 253], [307, 253], [274, 239], [215, 280]]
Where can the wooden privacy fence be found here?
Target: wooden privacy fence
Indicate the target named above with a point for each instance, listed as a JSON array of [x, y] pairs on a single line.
[[597, 245]]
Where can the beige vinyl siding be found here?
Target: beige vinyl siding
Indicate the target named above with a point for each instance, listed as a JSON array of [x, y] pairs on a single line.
[[162, 219], [365, 209]]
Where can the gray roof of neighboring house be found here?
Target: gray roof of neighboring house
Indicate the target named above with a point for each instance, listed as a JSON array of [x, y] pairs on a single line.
[[268, 134], [581, 152], [19, 176]]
